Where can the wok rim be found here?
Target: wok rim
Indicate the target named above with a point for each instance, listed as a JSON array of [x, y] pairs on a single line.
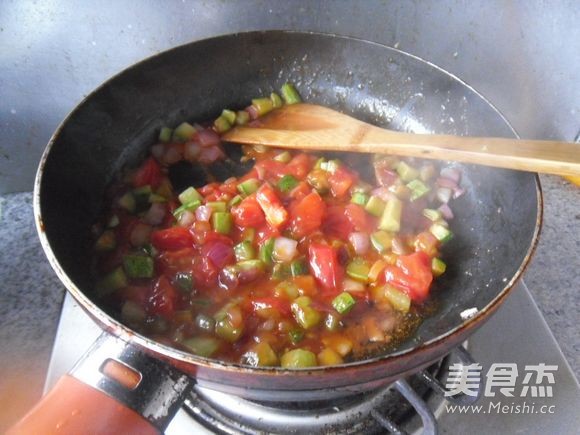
[[114, 327]]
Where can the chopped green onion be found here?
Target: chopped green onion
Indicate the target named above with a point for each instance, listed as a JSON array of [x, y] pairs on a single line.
[[304, 314], [165, 134], [244, 251], [358, 269], [418, 189], [106, 242], [296, 335], [111, 282], [183, 132], [438, 267], [391, 218], [217, 206], [263, 105], [290, 94], [287, 183], [441, 232], [266, 251], [299, 267], [343, 303], [221, 124], [249, 186], [242, 117], [138, 266], [184, 282], [127, 201], [202, 346], [432, 214], [190, 206], [359, 198], [399, 300], [276, 100], [222, 222], [381, 241], [235, 201], [375, 206], [283, 157], [189, 195], [230, 115], [406, 172]]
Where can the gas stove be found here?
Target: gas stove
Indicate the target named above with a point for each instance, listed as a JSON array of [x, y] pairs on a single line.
[[517, 337]]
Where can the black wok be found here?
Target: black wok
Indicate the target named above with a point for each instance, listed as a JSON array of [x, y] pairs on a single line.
[[496, 225]]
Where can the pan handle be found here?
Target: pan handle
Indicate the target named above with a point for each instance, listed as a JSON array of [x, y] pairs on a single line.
[[114, 388]]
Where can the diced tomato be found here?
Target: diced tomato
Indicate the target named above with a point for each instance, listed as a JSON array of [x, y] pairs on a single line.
[[268, 169], [248, 213], [148, 174], [299, 166], [172, 239], [171, 262], [275, 212], [359, 218], [252, 174], [412, 274], [336, 223], [324, 266], [204, 272], [265, 232], [306, 215], [162, 299], [300, 191], [279, 304], [341, 181], [208, 189], [218, 249]]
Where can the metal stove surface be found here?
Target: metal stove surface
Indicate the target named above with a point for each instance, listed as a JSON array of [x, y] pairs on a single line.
[[517, 334]]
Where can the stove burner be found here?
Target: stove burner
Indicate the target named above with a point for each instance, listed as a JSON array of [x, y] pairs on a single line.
[[402, 407]]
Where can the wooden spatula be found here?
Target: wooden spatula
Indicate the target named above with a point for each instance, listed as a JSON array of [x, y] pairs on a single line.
[[312, 127]]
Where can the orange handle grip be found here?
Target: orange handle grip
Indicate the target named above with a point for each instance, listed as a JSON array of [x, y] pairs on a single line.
[[73, 407]]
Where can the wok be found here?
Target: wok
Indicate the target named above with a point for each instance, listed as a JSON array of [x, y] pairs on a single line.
[[496, 225]]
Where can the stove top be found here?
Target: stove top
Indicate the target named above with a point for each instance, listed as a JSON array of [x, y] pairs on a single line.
[[515, 339]]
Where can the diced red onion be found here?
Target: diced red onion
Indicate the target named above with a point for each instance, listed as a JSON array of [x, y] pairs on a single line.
[[458, 192], [191, 151], [140, 234], [249, 275], [173, 154], [203, 213], [383, 193], [285, 249], [155, 214], [158, 150], [360, 242], [384, 176], [446, 211], [451, 174], [210, 154], [228, 278], [208, 138], [350, 285], [186, 218], [219, 253], [398, 246], [253, 112], [446, 182], [444, 194]]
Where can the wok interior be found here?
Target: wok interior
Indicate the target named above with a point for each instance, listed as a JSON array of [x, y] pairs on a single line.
[[495, 220]]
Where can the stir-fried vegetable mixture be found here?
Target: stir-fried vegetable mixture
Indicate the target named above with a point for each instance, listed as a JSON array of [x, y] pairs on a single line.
[[297, 263]]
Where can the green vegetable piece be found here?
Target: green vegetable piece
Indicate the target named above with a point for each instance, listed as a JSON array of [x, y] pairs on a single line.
[[276, 100], [235, 201], [296, 335], [205, 322], [248, 234], [299, 267], [375, 206], [114, 280], [250, 265], [165, 134], [391, 218], [431, 214], [286, 289], [438, 267], [202, 346], [106, 242], [183, 281], [244, 251], [189, 195], [154, 197], [217, 206], [287, 183], [141, 196], [304, 314], [242, 117], [343, 303], [298, 358], [281, 271], [138, 266], [183, 132], [359, 198], [406, 172], [221, 124], [127, 201], [114, 221], [149, 249], [441, 232], [190, 206], [418, 189], [222, 222], [261, 355], [290, 94], [381, 241], [225, 330], [230, 115], [358, 269], [249, 186], [263, 105], [321, 161], [283, 157], [266, 251], [399, 300], [318, 178]]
